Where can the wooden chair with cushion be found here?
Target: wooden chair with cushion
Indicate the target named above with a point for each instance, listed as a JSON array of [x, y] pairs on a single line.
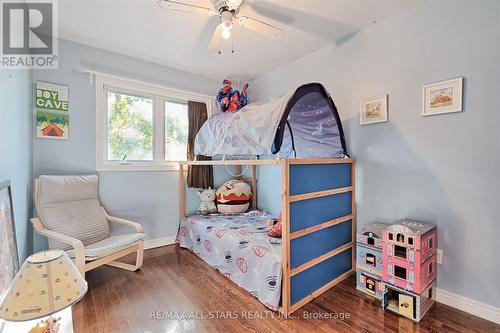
[[70, 215]]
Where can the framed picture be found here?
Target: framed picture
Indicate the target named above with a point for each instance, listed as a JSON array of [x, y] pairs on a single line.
[[442, 97], [51, 96], [52, 125], [373, 110], [9, 261]]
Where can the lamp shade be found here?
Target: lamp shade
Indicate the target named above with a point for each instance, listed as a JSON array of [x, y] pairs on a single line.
[[46, 283]]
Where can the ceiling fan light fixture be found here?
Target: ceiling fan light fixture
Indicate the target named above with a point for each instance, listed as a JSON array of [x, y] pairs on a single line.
[[226, 33]]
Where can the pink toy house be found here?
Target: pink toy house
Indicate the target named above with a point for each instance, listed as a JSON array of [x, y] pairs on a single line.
[[409, 250]]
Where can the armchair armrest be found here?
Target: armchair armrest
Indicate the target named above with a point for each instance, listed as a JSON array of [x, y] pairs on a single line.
[[75, 243], [138, 227], [40, 228]]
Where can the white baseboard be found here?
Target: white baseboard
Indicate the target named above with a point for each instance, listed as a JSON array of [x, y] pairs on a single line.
[[476, 308], [158, 242]]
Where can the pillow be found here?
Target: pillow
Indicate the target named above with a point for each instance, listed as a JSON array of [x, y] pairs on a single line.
[[276, 229], [233, 197]]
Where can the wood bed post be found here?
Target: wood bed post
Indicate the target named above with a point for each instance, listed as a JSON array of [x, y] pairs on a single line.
[[353, 208], [182, 193], [238, 171], [285, 236], [254, 186]]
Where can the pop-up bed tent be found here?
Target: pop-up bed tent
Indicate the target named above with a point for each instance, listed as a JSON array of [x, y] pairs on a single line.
[[303, 124]]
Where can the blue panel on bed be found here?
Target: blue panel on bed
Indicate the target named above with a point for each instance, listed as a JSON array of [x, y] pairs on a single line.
[[306, 213], [305, 178], [310, 280], [313, 245]]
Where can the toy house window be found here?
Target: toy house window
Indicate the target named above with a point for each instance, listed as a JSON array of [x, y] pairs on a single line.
[[430, 268], [410, 240], [430, 242], [400, 272], [400, 251], [371, 260], [390, 236], [430, 293], [370, 241], [400, 238], [370, 285]]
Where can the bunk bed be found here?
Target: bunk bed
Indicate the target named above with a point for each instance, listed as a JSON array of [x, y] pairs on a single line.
[[317, 247]]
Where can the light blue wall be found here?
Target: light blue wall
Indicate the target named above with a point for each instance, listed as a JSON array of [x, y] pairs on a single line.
[[269, 188], [150, 198], [442, 169], [15, 149]]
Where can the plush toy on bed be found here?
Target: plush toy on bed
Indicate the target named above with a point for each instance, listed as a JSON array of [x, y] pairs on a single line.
[[276, 229], [233, 197], [231, 100], [207, 205]]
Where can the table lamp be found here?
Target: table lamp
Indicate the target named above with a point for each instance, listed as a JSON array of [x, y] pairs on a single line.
[[47, 282]]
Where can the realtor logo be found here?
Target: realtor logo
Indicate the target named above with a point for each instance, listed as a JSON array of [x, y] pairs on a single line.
[[29, 34]]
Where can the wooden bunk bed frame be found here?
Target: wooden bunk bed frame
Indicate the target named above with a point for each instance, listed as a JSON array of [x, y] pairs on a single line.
[[318, 247]]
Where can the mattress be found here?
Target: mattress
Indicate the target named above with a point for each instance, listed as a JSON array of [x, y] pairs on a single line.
[[238, 247]]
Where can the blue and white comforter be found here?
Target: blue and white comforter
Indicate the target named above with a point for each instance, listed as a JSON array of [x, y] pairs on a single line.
[[238, 246]]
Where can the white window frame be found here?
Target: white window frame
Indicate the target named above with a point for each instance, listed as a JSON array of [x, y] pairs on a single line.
[[159, 94]]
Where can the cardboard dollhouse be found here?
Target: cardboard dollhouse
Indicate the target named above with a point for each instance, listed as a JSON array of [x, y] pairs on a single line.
[[369, 259], [400, 267]]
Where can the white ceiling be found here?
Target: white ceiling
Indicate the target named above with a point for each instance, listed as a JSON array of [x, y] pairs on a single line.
[[141, 29]]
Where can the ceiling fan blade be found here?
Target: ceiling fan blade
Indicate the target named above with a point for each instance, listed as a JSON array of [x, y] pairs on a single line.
[[183, 7], [260, 27], [216, 39]]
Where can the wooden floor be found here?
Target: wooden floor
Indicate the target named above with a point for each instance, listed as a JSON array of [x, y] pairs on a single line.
[[175, 291]]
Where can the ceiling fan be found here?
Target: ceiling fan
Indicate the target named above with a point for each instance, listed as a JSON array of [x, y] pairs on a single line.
[[228, 11]]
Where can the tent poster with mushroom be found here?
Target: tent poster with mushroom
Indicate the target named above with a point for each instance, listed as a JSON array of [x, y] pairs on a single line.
[[51, 96], [52, 125]]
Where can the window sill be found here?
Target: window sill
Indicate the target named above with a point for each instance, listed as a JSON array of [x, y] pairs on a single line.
[[139, 167]]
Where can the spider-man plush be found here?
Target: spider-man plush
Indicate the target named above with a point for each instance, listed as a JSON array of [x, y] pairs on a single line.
[[231, 100]]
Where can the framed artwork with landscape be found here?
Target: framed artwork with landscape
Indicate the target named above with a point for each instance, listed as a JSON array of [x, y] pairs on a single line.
[[9, 260], [373, 110], [442, 97]]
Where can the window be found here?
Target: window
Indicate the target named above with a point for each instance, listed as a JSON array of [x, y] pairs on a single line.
[[410, 240], [371, 260], [140, 126], [400, 251], [400, 238], [400, 272], [390, 236], [130, 127], [176, 131], [430, 268], [370, 241], [430, 243]]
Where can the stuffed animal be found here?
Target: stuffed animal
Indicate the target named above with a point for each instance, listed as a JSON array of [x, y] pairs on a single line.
[[233, 197], [231, 100], [276, 229], [207, 205]]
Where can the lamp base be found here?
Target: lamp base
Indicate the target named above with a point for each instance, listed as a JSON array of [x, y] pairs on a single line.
[[50, 325]]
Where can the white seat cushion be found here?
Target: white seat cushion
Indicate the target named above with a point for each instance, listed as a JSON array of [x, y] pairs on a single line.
[[108, 246]]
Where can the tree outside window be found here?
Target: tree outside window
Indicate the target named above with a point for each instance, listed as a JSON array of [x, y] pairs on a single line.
[[130, 127]]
